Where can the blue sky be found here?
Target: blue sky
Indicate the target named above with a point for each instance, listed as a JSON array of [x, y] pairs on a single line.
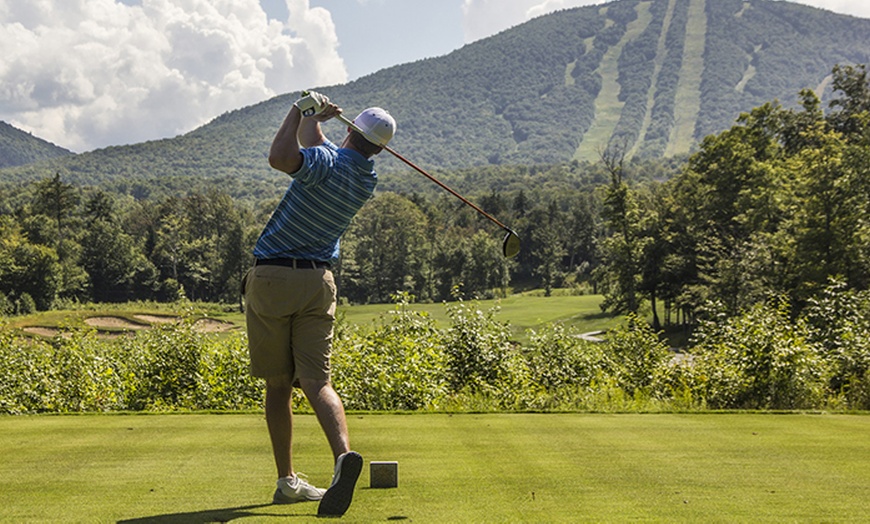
[[86, 74], [381, 34]]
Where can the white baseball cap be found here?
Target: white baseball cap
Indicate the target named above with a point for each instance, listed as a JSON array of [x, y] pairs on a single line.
[[376, 123]]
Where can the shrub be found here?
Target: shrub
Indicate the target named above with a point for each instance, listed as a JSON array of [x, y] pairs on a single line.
[[162, 367], [839, 322], [68, 373], [759, 360], [557, 357], [399, 365], [166, 368], [26, 385], [224, 378], [636, 358], [482, 360], [6, 305], [25, 304], [84, 375]]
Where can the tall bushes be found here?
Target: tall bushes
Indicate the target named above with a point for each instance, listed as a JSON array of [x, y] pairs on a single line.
[[397, 365], [168, 367], [839, 322], [760, 359]]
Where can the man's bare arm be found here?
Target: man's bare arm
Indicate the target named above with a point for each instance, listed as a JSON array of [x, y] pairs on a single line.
[[310, 134], [284, 154]]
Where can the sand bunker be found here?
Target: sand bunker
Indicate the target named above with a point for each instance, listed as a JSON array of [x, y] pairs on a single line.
[[42, 331], [157, 319], [50, 332], [119, 326], [210, 325], [203, 325], [113, 323]]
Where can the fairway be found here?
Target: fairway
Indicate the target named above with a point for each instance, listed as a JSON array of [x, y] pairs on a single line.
[[522, 311], [452, 468], [580, 312]]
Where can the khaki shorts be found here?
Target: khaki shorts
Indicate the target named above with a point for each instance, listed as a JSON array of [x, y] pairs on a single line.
[[290, 315]]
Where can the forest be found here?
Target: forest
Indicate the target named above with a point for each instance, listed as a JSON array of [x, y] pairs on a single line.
[[776, 205]]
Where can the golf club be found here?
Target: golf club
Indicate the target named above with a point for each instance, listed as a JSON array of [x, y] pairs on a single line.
[[511, 242]]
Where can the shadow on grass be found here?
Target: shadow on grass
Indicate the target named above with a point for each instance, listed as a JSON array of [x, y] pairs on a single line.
[[597, 316], [208, 516]]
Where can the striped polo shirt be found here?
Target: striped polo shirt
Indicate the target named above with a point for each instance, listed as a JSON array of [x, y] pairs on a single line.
[[324, 195]]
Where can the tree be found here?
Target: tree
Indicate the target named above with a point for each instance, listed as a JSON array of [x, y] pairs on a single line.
[[655, 249], [26, 269], [728, 204], [486, 269], [385, 250], [549, 249], [112, 262], [830, 226], [99, 206], [581, 244], [235, 246], [622, 250], [58, 201], [851, 114]]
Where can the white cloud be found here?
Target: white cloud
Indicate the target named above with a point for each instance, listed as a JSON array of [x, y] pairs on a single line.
[[91, 73]]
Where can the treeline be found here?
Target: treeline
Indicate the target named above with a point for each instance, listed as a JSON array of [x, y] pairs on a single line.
[[777, 205], [65, 243]]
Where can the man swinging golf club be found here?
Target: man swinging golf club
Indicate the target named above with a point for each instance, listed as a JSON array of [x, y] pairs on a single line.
[[290, 291]]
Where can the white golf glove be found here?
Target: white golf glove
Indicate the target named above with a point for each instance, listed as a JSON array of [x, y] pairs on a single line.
[[311, 103]]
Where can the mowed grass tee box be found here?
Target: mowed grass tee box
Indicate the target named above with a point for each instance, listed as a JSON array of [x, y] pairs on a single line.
[[454, 468]]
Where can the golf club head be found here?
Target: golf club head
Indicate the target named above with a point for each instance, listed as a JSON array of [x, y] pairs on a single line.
[[511, 244]]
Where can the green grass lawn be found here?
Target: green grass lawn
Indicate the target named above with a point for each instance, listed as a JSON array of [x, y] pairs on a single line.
[[522, 312], [459, 468]]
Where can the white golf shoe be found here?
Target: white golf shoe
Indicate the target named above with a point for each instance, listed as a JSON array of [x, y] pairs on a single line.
[[295, 489]]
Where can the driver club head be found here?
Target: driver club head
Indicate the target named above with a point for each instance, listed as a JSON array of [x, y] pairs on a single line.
[[511, 244]]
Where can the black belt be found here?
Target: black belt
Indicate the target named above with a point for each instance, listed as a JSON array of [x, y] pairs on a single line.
[[295, 263]]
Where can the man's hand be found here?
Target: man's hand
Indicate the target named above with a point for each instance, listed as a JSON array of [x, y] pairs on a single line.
[[312, 103]]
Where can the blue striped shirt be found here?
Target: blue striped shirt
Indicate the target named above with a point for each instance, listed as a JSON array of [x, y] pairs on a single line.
[[325, 194]]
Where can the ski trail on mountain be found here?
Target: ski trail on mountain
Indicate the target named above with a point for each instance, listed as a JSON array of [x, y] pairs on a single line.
[[688, 99], [661, 52], [608, 107]]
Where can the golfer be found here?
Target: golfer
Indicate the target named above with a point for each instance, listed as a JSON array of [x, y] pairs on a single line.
[[290, 291]]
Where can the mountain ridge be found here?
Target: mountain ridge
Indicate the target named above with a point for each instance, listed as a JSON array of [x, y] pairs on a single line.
[[635, 74], [18, 147]]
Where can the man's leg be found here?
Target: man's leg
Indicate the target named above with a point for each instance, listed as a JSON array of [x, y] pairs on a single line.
[[348, 464], [330, 413], [279, 419]]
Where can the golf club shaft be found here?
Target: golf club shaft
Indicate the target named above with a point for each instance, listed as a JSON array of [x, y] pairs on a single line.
[[353, 126]]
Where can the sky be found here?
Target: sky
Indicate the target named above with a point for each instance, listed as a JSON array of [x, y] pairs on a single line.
[[87, 74]]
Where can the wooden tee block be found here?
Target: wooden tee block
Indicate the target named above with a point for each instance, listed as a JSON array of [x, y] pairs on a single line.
[[384, 474]]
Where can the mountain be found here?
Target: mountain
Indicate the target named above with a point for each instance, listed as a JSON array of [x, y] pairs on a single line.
[[18, 148], [653, 76]]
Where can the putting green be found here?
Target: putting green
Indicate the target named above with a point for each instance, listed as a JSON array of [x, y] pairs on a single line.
[[460, 468]]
